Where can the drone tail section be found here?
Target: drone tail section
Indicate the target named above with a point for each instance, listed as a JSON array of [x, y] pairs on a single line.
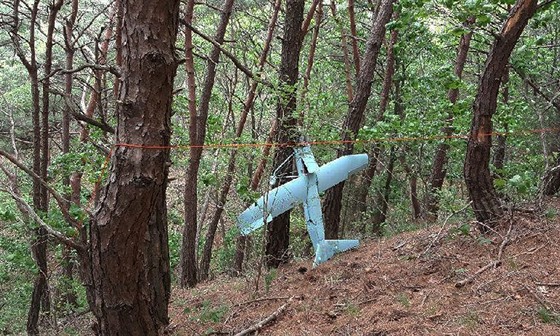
[[327, 248]]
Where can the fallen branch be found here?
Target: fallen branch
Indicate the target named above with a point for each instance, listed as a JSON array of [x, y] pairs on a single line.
[[505, 241], [492, 264], [547, 284], [540, 300], [262, 323]]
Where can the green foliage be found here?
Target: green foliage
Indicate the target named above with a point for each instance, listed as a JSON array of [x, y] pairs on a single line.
[[207, 312], [269, 278], [244, 192], [470, 319], [403, 299], [548, 316], [300, 244], [174, 246], [463, 230], [224, 255], [16, 268]]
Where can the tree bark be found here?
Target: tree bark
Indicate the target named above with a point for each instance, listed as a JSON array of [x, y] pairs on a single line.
[[129, 279], [485, 202], [68, 266], [354, 36], [40, 298], [439, 171], [500, 150], [332, 204], [188, 266], [197, 133], [345, 54], [278, 231], [310, 61], [551, 178]]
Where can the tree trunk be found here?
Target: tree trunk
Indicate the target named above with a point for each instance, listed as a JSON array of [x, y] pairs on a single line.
[[310, 61], [439, 171], [363, 184], [333, 200], [354, 36], [248, 105], [188, 267], [39, 247], [500, 151], [485, 202], [380, 215], [197, 133], [278, 231], [129, 280], [68, 266], [551, 178], [345, 55]]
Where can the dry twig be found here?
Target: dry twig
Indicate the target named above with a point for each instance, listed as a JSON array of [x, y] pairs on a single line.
[[492, 264], [263, 299], [438, 235], [262, 323]]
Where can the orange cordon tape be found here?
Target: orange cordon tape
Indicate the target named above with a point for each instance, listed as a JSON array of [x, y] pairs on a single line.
[[324, 142], [333, 142], [312, 143]]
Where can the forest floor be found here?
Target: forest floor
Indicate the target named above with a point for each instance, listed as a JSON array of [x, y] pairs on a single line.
[[448, 279]]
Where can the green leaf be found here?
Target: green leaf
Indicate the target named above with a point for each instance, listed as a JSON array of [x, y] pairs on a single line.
[[499, 183]]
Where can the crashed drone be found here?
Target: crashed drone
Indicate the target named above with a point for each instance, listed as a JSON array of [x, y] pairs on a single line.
[[305, 189]]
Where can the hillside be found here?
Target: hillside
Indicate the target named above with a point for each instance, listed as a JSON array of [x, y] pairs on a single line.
[[443, 280]]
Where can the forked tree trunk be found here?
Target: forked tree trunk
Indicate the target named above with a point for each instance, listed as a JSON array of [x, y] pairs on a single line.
[[310, 61], [363, 183], [129, 279], [345, 54], [39, 248], [485, 202], [332, 204], [224, 191], [278, 231], [354, 36], [197, 133]]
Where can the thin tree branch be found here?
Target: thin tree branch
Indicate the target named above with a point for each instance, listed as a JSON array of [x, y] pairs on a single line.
[[56, 234], [61, 201], [551, 100], [309, 17], [229, 55], [544, 4], [259, 325], [82, 116], [112, 69]]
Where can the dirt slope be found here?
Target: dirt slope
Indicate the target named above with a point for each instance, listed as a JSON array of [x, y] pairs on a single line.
[[406, 285]]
